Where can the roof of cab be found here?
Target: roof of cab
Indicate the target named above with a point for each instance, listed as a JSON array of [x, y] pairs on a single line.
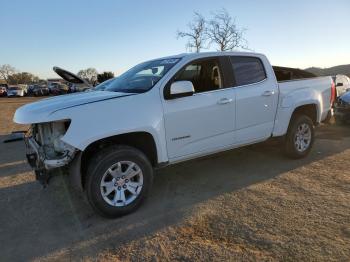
[[209, 54]]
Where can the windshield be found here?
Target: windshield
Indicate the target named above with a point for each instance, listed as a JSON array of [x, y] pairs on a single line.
[[104, 84], [140, 78], [14, 88]]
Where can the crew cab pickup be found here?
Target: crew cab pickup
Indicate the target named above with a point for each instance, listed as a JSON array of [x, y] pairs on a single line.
[[165, 111]]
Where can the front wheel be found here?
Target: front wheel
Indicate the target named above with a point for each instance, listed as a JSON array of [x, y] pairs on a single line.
[[300, 137], [118, 180]]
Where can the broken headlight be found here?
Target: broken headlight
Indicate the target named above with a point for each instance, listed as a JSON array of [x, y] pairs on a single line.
[[48, 136]]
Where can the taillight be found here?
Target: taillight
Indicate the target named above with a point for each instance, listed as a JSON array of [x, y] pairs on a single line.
[[333, 93]]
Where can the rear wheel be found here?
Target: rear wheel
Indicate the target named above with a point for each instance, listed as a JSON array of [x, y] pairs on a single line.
[[300, 137], [118, 180]]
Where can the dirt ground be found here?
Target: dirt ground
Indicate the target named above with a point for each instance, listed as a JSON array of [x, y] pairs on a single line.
[[247, 204]]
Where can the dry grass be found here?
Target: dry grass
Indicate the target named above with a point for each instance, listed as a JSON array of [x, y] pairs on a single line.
[[250, 204], [300, 215], [8, 107]]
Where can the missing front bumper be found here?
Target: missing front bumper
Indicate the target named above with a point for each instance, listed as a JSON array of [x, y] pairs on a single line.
[[41, 165]]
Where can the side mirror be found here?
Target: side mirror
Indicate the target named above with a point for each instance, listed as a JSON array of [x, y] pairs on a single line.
[[340, 84], [181, 89]]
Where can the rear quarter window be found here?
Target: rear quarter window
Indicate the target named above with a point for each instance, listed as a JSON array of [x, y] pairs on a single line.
[[247, 70]]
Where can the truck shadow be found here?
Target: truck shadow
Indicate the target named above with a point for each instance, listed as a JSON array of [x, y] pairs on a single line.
[[37, 223]]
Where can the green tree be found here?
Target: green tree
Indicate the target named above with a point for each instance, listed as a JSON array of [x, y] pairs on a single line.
[[22, 78], [104, 76]]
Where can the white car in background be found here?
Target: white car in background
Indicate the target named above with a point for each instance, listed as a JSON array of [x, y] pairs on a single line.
[[342, 84], [15, 91]]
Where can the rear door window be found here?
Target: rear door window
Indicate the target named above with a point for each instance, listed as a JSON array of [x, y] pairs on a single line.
[[247, 70]]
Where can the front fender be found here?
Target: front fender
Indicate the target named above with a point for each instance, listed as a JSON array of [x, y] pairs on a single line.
[[96, 121]]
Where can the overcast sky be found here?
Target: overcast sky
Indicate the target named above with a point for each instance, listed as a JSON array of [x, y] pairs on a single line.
[[115, 35]]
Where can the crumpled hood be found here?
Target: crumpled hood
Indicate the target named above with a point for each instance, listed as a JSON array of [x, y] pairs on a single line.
[[39, 111]]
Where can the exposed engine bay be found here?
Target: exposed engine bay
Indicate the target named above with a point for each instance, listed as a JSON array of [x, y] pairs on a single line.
[[44, 148], [48, 135]]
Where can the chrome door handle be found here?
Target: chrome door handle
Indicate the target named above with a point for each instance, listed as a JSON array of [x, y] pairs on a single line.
[[224, 101], [268, 93]]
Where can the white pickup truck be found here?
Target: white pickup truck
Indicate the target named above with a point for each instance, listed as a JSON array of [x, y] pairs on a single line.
[[166, 111]]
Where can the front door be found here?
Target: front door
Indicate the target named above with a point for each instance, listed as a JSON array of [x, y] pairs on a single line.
[[203, 122]]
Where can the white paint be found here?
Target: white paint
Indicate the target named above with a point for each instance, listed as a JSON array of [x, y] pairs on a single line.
[[186, 127]]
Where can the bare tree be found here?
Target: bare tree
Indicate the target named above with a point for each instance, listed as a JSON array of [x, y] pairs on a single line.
[[89, 74], [223, 31], [6, 71], [196, 34]]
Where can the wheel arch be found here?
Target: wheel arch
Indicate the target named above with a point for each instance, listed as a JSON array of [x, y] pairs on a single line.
[[310, 110], [285, 116], [142, 141]]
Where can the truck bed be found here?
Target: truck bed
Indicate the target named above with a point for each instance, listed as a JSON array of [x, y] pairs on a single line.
[[320, 86], [288, 73]]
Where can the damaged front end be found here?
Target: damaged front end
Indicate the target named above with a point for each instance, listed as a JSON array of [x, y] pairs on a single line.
[[46, 151]]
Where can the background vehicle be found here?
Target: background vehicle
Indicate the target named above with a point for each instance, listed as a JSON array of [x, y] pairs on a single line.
[[15, 91], [342, 84], [3, 89], [342, 108], [40, 90], [30, 89], [72, 88], [24, 88], [78, 84], [166, 111], [80, 88], [59, 89]]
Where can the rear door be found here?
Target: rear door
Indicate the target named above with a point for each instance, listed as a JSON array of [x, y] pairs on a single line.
[[203, 122], [256, 98]]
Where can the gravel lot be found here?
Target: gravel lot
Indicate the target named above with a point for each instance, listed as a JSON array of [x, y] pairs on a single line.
[[246, 204]]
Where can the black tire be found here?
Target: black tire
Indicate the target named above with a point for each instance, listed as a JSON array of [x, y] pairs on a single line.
[[290, 146], [100, 163]]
